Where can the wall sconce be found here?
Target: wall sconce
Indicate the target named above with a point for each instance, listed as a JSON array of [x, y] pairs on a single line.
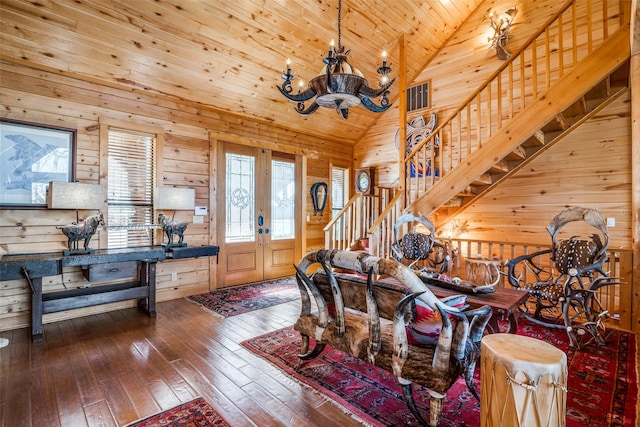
[[501, 26], [168, 198], [74, 195]]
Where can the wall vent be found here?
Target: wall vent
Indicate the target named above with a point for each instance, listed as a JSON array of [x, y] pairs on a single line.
[[418, 97]]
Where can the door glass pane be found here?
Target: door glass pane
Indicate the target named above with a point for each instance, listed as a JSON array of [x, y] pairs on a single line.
[[240, 200], [283, 192]]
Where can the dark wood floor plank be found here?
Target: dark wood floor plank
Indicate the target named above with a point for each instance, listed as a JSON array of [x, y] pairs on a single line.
[[224, 403], [18, 408], [119, 402], [141, 397], [170, 396], [169, 387], [277, 409], [5, 364], [98, 414], [42, 388], [65, 391], [278, 397], [19, 364]]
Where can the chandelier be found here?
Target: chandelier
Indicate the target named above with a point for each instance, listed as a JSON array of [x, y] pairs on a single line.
[[339, 85]]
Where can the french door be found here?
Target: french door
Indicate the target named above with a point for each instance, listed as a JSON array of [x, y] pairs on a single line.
[[258, 215]]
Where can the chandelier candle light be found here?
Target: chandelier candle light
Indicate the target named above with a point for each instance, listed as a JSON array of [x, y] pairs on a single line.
[[340, 85]]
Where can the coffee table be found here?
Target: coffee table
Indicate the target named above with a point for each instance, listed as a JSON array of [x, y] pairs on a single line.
[[504, 302]]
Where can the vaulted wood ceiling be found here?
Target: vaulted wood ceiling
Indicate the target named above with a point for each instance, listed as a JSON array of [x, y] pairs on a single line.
[[227, 54]]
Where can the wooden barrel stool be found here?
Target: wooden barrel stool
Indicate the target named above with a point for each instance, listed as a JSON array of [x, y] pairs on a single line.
[[523, 382]]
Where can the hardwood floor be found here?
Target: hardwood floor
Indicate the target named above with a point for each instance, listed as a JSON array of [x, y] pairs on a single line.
[[114, 368]]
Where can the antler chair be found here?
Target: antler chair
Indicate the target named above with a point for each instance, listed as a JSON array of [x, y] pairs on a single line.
[[566, 279], [419, 245]]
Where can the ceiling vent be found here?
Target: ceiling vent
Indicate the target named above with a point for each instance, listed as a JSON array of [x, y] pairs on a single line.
[[418, 97]]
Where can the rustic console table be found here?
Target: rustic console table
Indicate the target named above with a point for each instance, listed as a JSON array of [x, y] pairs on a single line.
[[34, 267]]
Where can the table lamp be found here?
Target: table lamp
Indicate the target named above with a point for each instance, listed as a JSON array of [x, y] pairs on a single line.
[[75, 195], [172, 198]]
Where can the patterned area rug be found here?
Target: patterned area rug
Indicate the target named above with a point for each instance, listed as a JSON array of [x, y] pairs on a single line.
[[242, 299], [602, 381], [196, 413]]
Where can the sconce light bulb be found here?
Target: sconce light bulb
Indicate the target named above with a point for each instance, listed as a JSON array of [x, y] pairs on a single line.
[[384, 54]]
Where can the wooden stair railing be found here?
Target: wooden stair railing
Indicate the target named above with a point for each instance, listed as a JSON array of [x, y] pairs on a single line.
[[355, 218], [512, 116], [381, 231], [618, 299], [343, 228]]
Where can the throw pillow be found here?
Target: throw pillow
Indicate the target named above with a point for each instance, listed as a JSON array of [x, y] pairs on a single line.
[[426, 325]]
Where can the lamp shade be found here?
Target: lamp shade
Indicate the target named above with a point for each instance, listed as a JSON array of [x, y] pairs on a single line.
[[75, 195], [170, 198]]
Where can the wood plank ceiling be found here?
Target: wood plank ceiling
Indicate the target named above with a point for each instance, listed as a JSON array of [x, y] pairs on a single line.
[[227, 54]]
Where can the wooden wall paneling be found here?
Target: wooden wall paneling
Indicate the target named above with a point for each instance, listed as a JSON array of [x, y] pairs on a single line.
[[317, 171], [77, 99], [33, 96], [586, 169]]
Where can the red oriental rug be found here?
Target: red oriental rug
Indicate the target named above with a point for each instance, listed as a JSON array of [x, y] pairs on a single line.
[[602, 384], [196, 413], [242, 299]]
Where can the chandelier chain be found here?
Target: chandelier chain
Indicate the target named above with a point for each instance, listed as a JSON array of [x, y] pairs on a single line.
[[339, 25]]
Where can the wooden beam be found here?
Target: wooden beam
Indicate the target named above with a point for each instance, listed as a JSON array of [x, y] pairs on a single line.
[[402, 125], [634, 78]]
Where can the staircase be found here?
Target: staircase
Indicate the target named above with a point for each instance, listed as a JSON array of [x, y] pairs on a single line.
[[541, 94], [530, 103], [548, 134]]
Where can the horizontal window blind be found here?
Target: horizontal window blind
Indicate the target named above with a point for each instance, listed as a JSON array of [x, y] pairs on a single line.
[[130, 187], [339, 189]]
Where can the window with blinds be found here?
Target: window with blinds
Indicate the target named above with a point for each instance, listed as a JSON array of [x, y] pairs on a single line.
[[339, 189], [131, 170]]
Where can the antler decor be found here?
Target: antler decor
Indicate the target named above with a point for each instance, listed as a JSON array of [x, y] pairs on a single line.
[[501, 27]]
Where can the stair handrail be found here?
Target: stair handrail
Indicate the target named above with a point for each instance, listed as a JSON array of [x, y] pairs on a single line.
[[342, 228], [381, 231], [420, 169], [344, 209]]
